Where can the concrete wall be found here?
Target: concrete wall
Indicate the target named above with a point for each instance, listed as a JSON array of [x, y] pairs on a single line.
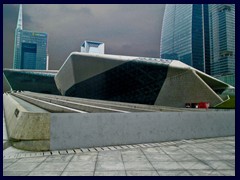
[[100, 129], [186, 87], [26, 129]]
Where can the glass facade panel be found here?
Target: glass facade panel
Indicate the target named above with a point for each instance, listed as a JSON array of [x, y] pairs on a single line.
[[222, 39], [183, 33]]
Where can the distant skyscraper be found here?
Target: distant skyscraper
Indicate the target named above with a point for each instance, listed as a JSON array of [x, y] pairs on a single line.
[[30, 48], [183, 34], [206, 39], [93, 47], [222, 41], [202, 36]]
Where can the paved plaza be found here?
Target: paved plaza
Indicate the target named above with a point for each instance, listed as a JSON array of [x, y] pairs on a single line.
[[202, 157]]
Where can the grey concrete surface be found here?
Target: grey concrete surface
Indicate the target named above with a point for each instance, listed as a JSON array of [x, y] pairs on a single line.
[[105, 129], [41, 130], [6, 143], [27, 124], [200, 157]]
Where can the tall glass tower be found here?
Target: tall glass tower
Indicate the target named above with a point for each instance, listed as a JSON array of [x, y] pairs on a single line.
[[183, 34], [222, 41], [30, 48]]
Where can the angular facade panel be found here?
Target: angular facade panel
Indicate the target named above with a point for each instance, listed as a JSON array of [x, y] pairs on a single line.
[[137, 80]]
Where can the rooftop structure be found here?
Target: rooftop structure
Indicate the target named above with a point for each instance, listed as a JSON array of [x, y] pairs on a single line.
[[93, 47]]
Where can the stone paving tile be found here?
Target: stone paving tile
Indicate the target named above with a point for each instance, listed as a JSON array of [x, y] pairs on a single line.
[[45, 173], [134, 157], [131, 151], [159, 157], [232, 151], [227, 172], [59, 158], [186, 146], [230, 163], [177, 151], [32, 159], [21, 166], [77, 173], [150, 150], [182, 157], [195, 151], [229, 138], [137, 165], [167, 166], [218, 165], [205, 173], [226, 156], [210, 157], [204, 157], [84, 157], [217, 151], [51, 166], [160, 151], [109, 166], [110, 173], [10, 160], [6, 164], [15, 173], [231, 143], [204, 144], [170, 148], [109, 153], [110, 158], [80, 166], [174, 173], [142, 173], [194, 165], [92, 153]]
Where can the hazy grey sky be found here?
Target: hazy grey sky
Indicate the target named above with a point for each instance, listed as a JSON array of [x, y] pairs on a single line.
[[126, 29]]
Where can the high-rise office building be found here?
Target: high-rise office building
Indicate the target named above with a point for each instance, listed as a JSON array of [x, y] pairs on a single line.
[[183, 34], [202, 36], [30, 48], [222, 41]]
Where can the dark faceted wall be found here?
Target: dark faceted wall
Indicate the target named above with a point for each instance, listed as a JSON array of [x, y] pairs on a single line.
[[134, 81]]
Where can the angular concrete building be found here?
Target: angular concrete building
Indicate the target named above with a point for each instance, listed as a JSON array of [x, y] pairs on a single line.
[[40, 81], [137, 80]]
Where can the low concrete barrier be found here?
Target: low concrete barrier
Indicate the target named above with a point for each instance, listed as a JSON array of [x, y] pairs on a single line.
[[32, 128], [28, 126], [73, 130]]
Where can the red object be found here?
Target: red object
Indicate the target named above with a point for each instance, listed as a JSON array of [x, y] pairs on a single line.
[[203, 105]]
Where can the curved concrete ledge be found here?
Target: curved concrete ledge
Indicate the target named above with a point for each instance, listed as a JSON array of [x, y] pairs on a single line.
[[27, 125], [32, 128]]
